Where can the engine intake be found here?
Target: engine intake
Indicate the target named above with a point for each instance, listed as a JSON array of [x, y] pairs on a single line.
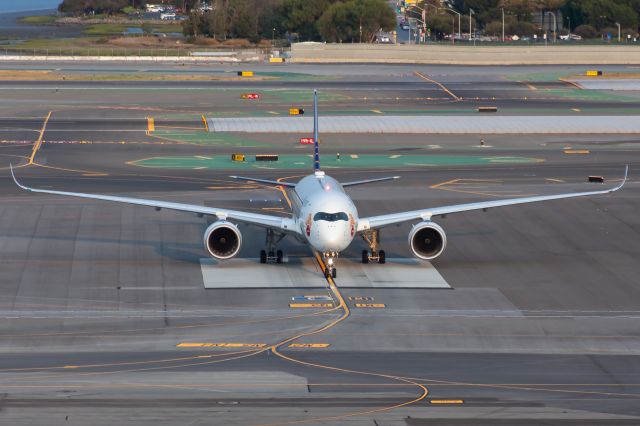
[[222, 239], [427, 240]]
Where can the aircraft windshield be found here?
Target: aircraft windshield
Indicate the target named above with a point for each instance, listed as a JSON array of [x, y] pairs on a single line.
[[331, 217]]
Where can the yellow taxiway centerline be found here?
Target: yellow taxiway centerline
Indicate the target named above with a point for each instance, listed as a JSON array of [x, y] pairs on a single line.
[[38, 144]]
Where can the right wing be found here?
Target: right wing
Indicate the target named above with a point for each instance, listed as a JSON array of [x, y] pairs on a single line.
[[374, 222], [362, 182], [268, 221]]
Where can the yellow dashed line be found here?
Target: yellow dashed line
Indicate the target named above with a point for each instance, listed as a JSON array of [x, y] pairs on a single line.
[[220, 345], [446, 401], [371, 305], [577, 151], [311, 305]]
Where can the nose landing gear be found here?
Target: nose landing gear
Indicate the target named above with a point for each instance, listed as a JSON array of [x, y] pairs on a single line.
[[372, 238], [329, 261]]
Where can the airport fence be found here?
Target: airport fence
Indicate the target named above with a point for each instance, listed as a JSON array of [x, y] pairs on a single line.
[[137, 52]]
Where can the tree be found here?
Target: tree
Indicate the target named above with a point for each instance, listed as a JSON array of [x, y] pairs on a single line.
[[603, 13], [586, 31], [356, 20], [301, 16]]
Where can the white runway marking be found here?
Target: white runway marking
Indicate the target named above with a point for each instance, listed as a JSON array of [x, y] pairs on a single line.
[[303, 272]]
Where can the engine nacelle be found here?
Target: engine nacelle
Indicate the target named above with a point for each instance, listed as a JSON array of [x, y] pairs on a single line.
[[427, 240], [222, 239]]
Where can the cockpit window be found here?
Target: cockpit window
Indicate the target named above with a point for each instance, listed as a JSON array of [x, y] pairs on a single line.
[[330, 217]]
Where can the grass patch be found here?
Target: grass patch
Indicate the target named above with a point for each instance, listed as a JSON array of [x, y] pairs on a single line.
[[119, 29], [38, 20]]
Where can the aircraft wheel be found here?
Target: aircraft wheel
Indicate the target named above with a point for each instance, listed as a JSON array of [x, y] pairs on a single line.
[[333, 273], [365, 256], [279, 256], [382, 257], [263, 256]]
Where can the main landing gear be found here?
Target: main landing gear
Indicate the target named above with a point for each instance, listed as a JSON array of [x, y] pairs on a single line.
[[271, 254], [329, 261], [372, 238]]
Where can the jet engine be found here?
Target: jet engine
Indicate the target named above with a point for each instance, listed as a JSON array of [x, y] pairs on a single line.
[[427, 240], [222, 239]]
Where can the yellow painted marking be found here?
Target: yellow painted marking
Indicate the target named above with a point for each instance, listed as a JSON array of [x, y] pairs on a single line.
[[220, 345], [151, 124], [371, 305], [576, 109], [70, 366], [440, 85], [311, 305], [361, 298], [309, 345], [354, 156], [446, 401], [95, 174], [273, 208], [247, 74], [577, 151], [36, 146], [206, 123], [555, 180], [273, 112], [531, 86], [377, 111], [202, 157]]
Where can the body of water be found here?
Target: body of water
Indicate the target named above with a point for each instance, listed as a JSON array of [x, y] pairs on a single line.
[[7, 6]]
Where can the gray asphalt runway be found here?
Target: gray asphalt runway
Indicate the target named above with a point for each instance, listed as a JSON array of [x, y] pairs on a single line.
[[104, 318]]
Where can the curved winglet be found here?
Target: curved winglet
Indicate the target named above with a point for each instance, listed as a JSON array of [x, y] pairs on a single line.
[[624, 179], [16, 180]]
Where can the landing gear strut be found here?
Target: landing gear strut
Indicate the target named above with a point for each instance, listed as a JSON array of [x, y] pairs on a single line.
[[271, 254], [372, 238], [329, 261]]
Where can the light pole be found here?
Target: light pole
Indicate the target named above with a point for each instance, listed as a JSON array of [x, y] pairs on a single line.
[[459, 19], [555, 24], [569, 19], [471, 12], [503, 24], [618, 24], [273, 37]]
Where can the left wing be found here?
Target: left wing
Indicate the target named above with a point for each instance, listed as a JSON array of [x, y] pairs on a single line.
[[374, 222], [275, 222], [266, 181]]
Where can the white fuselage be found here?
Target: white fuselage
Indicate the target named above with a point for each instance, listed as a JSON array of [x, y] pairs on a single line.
[[326, 215]]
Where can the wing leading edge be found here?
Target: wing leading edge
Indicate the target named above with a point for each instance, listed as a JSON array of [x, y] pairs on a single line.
[[275, 222], [374, 222]]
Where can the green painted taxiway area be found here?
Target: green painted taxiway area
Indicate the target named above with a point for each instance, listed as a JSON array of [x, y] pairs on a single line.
[[333, 162]]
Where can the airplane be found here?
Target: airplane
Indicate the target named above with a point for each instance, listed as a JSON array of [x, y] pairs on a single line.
[[324, 216]]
